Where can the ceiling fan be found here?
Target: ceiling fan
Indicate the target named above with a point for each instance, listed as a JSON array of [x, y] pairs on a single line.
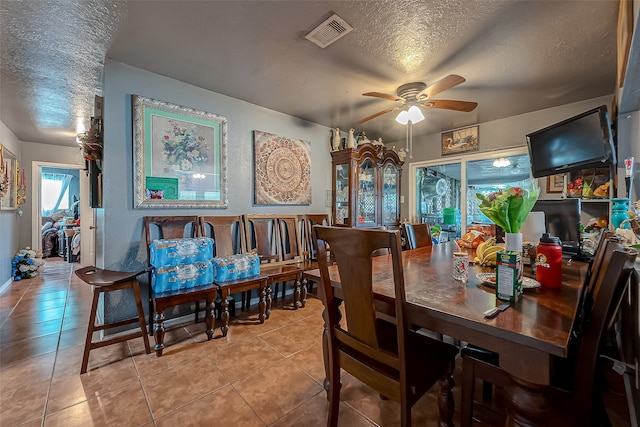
[[418, 93]]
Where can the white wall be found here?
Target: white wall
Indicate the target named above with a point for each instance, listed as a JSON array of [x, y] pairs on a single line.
[[120, 228], [495, 135], [36, 152], [9, 234]]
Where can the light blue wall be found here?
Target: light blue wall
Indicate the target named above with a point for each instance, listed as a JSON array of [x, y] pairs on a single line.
[[120, 225], [9, 235]]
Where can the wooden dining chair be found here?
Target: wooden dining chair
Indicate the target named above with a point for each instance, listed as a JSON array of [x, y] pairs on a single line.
[[574, 385], [227, 232], [308, 221], [261, 234], [167, 227], [418, 235], [489, 376], [391, 358]]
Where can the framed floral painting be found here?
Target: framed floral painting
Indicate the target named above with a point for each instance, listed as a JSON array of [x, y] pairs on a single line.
[[179, 156]]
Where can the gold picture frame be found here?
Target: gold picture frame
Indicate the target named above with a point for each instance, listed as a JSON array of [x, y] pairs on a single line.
[[179, 156], [9, 178], [555, 183], [460, 140]]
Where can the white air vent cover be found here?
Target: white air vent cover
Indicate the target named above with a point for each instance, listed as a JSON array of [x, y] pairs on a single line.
[[329, 31]]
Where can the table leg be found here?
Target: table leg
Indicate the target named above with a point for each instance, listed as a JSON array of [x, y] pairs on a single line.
[[262, 303], [224, 316], [296, 294], [526, 404], [269, 299], [445, 398], [158, 332], [210, 316], [303, 302]]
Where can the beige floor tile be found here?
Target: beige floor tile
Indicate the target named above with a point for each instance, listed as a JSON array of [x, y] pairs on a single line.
[[73, 388], [12, 332], [367, 402], [274, 392], [172, 388], [28, 348], [149, 365], [293, 337], [222, 407], [314, 413], [26, 371], [239, 360], [23, 404], [125, 406], [311, 361]]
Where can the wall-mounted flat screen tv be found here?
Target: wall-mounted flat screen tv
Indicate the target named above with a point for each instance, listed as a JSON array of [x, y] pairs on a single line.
[[580, 142]]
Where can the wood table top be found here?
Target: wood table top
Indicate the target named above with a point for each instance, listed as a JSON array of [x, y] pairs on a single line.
[[541, 320]]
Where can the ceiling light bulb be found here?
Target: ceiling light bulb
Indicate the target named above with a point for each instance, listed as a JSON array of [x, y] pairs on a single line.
[[403, 118], [501, 162], [415, 115]]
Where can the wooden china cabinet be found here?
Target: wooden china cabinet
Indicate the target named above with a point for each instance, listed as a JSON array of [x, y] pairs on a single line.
[[366, 187]]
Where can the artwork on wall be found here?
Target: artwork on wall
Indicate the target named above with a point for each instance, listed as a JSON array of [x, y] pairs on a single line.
[[8, 179], [460, 141], [555, 183], [179, 156], [282, 170]]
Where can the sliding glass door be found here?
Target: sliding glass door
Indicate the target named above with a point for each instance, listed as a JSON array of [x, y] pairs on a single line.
[[443, 193]]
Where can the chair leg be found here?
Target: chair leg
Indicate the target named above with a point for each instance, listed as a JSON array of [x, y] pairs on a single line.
[[143, 327], [92, 323], [468, 386], [445, 397], [334, 397]]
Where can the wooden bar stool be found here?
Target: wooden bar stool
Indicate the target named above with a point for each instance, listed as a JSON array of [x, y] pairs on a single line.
[[107, 281]]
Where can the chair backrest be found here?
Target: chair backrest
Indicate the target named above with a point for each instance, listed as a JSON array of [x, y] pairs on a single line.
[[418, 235], [169, 227], [261, 232], [308, 221], [360, 344], [607, 244], [227, 233], [610, 286], [289, 240]]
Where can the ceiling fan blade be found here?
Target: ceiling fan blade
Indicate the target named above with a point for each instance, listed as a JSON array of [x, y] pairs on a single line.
[[445, 104], [384, 96], [441, 85], [373, 116]]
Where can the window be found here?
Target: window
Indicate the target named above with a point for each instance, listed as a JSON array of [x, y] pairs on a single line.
[[55, 192], [443, 191]]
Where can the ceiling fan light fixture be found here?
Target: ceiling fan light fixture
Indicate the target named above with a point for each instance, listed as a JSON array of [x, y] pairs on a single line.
[[403, 117], [413, 115], [501, 162]]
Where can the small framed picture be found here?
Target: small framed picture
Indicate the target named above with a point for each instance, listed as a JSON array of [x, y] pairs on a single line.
[[555, 183], [460, 141]]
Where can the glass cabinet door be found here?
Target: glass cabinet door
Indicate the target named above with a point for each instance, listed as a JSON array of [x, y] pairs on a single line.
[[366, 206], [390, 212], [342, 194]]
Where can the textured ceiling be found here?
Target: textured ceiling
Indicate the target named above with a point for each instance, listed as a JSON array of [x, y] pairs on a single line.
[[517, 57]]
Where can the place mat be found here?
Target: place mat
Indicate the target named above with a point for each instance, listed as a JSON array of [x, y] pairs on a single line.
[[490, 280]]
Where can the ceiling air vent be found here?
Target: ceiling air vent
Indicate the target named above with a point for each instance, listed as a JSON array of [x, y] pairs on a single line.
[[329, 31]]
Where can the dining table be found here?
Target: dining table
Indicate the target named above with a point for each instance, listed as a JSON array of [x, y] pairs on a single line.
[[528, 337]]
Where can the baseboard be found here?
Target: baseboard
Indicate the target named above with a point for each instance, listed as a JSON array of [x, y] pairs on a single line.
[[5, 285]]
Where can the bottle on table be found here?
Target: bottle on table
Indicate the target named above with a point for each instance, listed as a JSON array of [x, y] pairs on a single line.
[[549, 261]]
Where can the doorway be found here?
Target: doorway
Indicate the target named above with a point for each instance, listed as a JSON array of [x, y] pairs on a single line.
[[71, 200]]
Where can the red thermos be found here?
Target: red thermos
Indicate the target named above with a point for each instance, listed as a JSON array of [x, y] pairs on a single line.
[[549, 262]]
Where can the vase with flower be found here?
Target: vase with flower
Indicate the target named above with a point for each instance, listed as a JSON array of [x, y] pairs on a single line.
[[508, 208]]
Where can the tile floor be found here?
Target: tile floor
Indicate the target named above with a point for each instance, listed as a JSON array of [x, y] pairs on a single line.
[[259, 375]]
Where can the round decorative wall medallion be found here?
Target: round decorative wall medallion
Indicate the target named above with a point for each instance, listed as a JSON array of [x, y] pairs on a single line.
[[282, 170]]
